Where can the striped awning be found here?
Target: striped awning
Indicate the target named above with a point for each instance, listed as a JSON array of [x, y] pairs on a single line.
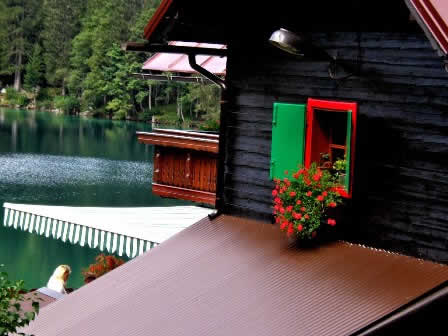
[[130, 231]]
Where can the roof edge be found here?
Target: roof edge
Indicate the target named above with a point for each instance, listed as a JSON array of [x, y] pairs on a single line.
[[156, 18], [430, 21], [395, 317]]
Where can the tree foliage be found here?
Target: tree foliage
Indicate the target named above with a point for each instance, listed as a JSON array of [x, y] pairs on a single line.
[[20, 22], [12, 315], [74, 46], [34, 69], [62, 20]]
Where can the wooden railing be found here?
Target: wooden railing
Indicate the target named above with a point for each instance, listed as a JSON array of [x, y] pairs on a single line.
[[185, 164]]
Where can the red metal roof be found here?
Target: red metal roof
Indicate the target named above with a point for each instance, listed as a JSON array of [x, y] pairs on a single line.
[[433, 17], [233, 276], [179, 62]]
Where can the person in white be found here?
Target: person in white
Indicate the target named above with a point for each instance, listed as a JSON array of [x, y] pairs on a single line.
[[59, 278]]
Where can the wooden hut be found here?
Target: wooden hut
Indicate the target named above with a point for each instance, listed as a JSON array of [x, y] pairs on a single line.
[[382, 64]]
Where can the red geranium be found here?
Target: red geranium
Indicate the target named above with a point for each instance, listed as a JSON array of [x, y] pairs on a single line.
[[304, 213], [102, 265], [331, 222]]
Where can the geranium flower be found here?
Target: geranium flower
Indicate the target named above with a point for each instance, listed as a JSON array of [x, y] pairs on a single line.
[[292, 194], [290, 230], [317, 176], [299, 202], [274, 192], [343, 193], [331, 222], [283, 225], [309, 193], [299, 227], [320, 198]]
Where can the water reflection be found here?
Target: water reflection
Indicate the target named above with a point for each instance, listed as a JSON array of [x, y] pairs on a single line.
[[62, 160]]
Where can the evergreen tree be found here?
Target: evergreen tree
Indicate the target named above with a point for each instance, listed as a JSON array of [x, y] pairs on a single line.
[[61, 24], [34, 70], [20, 21]]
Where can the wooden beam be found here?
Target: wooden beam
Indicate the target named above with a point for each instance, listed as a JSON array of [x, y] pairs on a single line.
[[183, 79], [179, 141], [184, 193], [174, 49], [213, 136]]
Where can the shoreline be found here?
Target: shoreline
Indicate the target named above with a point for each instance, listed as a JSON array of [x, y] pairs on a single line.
[[88, 115]]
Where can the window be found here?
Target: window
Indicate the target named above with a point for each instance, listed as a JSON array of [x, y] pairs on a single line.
[[330, 138], [330, 129]]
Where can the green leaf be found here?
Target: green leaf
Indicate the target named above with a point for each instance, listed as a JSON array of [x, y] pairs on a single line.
[[30, 316]]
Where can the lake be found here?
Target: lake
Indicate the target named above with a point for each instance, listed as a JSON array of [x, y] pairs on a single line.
[[66, 160]]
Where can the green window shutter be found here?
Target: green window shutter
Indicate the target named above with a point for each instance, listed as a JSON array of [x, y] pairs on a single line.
[[347, 151], [288, 138]]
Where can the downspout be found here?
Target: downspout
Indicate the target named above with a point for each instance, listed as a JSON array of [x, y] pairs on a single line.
[[222, 130], [207, 74]]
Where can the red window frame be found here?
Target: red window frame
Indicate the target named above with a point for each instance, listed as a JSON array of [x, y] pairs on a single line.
[[336, 106]]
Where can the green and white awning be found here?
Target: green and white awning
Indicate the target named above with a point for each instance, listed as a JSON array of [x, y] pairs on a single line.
[[130, 231]]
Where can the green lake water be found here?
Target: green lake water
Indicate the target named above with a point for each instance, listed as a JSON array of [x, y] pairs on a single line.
[[63, 160]]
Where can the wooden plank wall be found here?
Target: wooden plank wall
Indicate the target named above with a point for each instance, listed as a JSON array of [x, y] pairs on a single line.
[[401, 170]]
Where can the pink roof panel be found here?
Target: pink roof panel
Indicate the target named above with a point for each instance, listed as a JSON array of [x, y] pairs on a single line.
[[179, 62]]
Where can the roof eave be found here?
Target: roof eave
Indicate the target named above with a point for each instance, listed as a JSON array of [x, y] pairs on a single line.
[[432, 23], [156, 18]]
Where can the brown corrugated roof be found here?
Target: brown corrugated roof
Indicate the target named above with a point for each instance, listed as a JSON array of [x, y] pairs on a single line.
[[43, 299], [233, 276]]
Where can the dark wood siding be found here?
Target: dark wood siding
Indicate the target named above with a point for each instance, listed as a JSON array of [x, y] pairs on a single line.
[[401, 178]]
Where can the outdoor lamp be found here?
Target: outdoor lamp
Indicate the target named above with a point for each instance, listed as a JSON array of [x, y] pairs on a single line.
[[288, 41]]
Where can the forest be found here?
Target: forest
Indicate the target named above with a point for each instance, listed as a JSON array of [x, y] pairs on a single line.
[[66, 55]]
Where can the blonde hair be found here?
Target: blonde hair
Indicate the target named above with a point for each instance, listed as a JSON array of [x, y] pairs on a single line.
[[61, 272]]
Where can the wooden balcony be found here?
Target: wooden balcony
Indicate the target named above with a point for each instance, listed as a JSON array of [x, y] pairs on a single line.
[[185, 164]]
